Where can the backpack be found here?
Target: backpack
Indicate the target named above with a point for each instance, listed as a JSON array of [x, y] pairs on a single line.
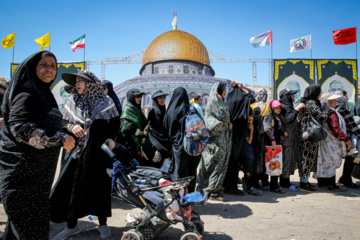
[[151, 175], [194, 134]]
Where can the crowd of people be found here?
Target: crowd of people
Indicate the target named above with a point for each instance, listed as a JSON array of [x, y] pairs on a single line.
[[240, 123]]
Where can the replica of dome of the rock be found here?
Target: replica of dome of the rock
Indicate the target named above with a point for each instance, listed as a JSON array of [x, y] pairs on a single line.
[[176, 44], [173, 59]]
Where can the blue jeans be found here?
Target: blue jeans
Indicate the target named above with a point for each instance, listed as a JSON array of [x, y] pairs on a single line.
[[355, 142]]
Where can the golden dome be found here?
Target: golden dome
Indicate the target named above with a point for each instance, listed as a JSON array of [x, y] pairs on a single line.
[[176, 45]]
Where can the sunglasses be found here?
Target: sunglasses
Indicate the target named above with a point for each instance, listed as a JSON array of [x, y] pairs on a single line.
[[161, 97]]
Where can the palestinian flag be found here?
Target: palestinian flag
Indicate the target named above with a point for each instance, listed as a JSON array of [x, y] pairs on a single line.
[[78, 43], [262, 40]]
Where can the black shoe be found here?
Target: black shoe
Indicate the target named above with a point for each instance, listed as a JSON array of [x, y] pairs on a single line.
[[349, 184], [236, 192], [337, 188], [306, 187]]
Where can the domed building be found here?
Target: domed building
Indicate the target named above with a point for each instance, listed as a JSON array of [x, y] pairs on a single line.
[[175, 58]]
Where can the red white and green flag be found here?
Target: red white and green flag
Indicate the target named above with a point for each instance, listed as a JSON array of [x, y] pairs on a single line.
[[78, 43]]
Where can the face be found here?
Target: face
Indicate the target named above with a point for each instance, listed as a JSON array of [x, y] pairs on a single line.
[[72, 91], [199, 101], [333, 103], [106, 90], [250, 120], [46, 69], [161, 100], [224, 93], [138, 99], [80, 84], [277, 110]]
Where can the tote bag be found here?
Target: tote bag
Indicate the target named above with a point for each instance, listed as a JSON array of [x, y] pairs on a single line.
[[273, 161]]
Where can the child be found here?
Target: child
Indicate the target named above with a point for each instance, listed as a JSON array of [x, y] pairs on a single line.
[[247, 153], [274, 133]]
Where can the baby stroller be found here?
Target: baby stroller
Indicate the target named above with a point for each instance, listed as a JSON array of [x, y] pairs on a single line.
[[162, 205]]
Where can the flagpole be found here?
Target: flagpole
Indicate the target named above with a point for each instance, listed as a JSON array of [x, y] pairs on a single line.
[[271, 65], [13, 52]]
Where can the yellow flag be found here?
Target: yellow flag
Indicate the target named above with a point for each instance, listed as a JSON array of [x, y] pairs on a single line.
[[8, 41], [43, 41]]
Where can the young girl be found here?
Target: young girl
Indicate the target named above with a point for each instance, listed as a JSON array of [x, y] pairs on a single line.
[[247, 153], [274, 134]]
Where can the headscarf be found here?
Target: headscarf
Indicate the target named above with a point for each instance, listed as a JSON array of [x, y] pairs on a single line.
[[217, 112], [312, 92], [130, 95], [261, 95], [286, 99], [112, 94], [221, 88], [158, 135], [25, 79], [239, 105], [177, 109], [341, 100], [92, 97]]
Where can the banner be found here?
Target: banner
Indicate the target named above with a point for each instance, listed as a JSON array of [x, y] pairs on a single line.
[[57, 88], [300, 44], [334, 75], [345, 36], [293, 74]]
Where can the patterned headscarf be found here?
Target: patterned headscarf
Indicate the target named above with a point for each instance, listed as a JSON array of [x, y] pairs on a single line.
[[92, 96]]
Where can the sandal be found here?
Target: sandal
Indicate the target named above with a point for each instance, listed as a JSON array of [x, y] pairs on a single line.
[[278, 190], [218, 197]]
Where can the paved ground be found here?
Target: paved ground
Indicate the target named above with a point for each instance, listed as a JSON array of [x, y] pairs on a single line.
[[293, 215]]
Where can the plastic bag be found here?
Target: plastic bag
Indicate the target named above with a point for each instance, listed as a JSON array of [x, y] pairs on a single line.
[[273, 161]]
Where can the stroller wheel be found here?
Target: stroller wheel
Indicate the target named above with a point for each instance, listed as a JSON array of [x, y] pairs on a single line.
[[199, 224], [132, 235], [190, 236]]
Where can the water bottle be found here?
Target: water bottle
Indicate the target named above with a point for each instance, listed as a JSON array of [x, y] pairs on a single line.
[[140, 181], [193, 197], [91, 218]]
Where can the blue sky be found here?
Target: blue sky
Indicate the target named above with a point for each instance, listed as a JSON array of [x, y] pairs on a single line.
[[121, 28]]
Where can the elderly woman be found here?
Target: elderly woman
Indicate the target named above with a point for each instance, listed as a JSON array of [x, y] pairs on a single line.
[[83, 186], [30, 146], [309, 150], [332, 149], [132, 123], [215, 158]]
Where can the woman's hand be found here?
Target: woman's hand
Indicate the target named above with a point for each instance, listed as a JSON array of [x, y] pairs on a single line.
[[69, 143], [326, 108], [110, 143], [348, 143], [233, 84], [78, 131], [300, 106], [218, 95], [273, 145], [286, 134], [231, 126]]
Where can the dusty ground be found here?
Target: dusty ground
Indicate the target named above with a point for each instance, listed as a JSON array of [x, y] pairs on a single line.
[[293, 215]]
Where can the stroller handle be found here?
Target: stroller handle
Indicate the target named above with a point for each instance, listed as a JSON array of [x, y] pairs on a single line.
[[107, 150]]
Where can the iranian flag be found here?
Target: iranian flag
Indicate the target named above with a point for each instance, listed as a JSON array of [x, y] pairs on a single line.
[[78, 43]]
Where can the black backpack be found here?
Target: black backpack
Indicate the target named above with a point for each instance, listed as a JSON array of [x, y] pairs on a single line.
[[151, 175]]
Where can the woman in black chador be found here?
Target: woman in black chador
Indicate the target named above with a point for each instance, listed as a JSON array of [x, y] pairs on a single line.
[[238, 100], [156, 145], [30, 146], [182, 164], [83, 187]]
